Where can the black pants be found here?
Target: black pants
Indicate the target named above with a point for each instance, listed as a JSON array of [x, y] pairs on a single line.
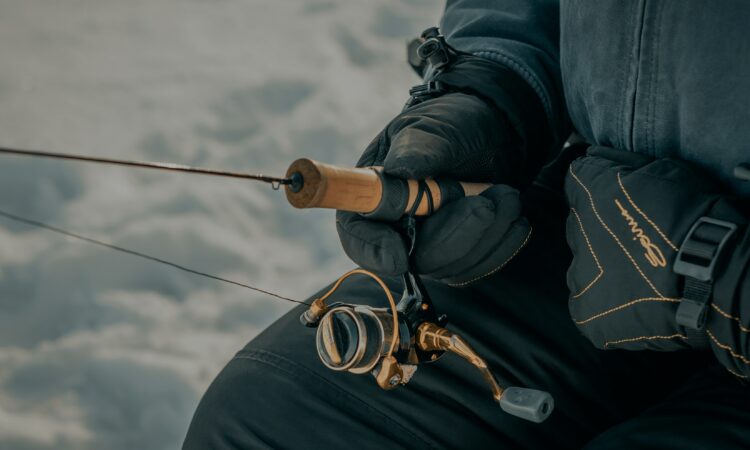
[[275, 393]]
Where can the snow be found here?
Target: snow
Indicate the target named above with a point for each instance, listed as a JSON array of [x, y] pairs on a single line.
[[102, 350]]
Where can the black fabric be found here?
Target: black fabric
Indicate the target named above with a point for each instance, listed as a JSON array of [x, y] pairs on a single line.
[[455, 135], [514, 96], [728, 325], [629, 215], [276, 394], [464, 241], [467, 240], [707, 412], [462, 135], [520, 35]]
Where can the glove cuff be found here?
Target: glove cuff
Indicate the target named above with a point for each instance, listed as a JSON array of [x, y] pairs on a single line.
[[446, 69], [506, 91]]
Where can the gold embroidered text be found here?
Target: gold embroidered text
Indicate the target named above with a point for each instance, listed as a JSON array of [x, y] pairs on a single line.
[[653, 254]]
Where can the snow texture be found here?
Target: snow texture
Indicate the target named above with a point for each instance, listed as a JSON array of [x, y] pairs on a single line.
[[103, 350]]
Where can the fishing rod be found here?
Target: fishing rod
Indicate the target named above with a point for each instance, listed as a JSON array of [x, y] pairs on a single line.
[[312, 184], [388, 343]]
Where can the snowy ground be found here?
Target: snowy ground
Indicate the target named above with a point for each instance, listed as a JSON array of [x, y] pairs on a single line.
[[100, 349]]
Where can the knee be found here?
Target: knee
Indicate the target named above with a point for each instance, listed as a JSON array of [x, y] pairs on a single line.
[[260, 400], [234, 412]]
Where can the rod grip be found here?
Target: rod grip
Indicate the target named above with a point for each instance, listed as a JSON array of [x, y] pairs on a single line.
[[368, 191]]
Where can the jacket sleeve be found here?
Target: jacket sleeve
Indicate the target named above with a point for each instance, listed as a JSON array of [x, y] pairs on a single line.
[[522, 35], [728, 326]]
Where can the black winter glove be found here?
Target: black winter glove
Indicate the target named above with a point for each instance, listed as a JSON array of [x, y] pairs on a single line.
[[463, 136], [629, 216]]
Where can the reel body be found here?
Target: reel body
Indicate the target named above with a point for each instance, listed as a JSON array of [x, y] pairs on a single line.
[[391, 343], [363, 339]]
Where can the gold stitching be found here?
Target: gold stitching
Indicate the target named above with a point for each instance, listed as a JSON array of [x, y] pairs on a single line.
[[591, 200], [625, 305], [591, 249], [728, 316], [736, 374], [651, 222], [523, 244], [727, 348], [653, 253], [644, 338]]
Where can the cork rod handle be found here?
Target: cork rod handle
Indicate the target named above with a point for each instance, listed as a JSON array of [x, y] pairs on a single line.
[[366, 190]]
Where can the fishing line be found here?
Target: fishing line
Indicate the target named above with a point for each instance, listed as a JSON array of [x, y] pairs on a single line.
[[45, 226]]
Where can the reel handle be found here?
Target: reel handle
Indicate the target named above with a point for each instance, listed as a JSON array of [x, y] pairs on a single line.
[[528, 404], [525, 403], [367, 190]]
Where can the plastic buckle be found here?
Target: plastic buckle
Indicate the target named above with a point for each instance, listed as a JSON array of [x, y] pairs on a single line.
[[421, 92], [429, 49], [693, 308], [429, 88], [434, 49], [692, 313], [700, 251], [696, 261]]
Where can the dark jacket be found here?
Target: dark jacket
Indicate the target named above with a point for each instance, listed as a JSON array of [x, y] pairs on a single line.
[[661, 77]]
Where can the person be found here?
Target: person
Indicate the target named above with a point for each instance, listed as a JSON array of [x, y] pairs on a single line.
[[612, 274]]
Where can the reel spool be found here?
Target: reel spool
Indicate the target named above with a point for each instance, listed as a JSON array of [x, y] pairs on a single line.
[[354, 338], [390, 343]]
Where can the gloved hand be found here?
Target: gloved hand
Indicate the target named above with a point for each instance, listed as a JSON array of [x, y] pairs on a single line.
[[465, 137], [629, 217]]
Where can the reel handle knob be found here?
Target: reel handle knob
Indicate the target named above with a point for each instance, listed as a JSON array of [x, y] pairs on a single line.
[[528, 404], [368, 191]]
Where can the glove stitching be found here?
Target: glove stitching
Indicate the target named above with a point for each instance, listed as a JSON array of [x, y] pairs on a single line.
[[632, 203], [622, 247], [730, 317], [591, 249], [643, 338], [736, 374], [523, 244], [625, 305], [727, 348]]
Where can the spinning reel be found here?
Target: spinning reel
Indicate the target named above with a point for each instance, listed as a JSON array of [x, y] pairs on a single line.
[[391, 342]]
